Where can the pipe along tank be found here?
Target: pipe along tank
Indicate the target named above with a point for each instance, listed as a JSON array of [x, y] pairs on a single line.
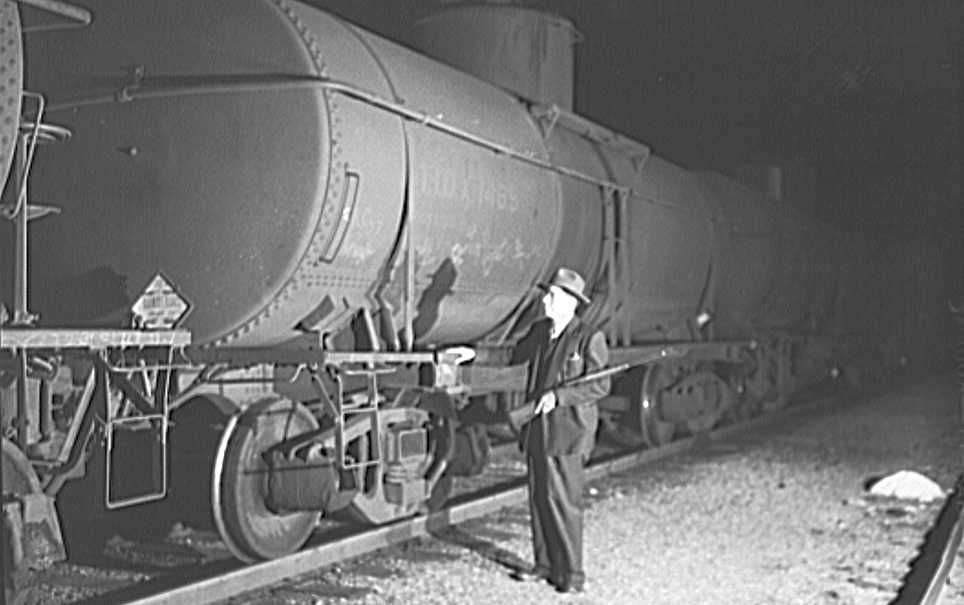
[[296, 177]]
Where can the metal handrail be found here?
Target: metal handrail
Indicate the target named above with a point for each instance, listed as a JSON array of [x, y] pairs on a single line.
[[137, 90], [79, 17], [32, 137]]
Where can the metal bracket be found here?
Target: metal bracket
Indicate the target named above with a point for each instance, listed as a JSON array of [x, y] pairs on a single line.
[[77, 16], [22, 212], [547, 117], [372, 366], [550, 116], [366, 406], [615, 265], [144, 419]]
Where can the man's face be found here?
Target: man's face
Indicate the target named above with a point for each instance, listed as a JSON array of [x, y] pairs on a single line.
[[559, 305]]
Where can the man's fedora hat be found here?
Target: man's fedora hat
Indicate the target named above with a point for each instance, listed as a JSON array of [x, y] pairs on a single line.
[[570, 281]]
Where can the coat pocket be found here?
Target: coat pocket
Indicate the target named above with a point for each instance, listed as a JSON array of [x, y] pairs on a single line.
[[572, 430], [575, 365]]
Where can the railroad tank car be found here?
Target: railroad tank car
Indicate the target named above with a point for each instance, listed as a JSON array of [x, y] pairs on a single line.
[[262, 200], [340, 212], [266, 197]]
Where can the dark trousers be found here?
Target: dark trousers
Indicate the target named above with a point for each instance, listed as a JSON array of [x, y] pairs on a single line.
[[555, 509]]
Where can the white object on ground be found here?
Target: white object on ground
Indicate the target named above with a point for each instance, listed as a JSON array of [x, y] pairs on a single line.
[[908, 485]]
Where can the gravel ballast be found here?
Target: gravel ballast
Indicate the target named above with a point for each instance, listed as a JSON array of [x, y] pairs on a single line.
[[780, 514]]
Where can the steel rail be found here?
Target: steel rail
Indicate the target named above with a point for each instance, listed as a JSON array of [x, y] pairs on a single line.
[[924, 583], [229, 579]]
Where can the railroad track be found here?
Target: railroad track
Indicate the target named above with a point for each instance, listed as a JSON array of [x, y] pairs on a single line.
[[219, 580], [925, 582]]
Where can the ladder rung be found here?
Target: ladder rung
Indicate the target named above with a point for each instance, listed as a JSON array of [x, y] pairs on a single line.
[[47, 133], [33, 211], [358, 409]]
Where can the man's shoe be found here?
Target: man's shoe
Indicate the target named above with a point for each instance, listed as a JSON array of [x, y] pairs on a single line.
[[533, 574], [569, 585]]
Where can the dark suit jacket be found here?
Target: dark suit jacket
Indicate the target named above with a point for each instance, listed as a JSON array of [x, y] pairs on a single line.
[[570, 428]]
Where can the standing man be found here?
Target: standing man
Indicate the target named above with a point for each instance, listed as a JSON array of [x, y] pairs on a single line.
[[561, 435]]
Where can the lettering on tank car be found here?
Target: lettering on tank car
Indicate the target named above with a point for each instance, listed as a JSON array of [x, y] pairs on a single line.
[[488, 257], [491, 251], [467, 184]]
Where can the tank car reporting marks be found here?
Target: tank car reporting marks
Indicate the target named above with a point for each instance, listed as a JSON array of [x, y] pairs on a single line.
[[465, 185]]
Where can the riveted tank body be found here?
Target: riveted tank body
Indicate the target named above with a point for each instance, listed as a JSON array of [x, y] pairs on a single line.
[[207, 147], [285, 169]]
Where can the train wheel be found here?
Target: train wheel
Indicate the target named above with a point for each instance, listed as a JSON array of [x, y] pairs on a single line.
[[744, 407], [14, 481], [716, 396], [239, 486], [630, 416], [776, 403], [441, 452], [18, 480], [27, 543], [655, 430], [769, 382]]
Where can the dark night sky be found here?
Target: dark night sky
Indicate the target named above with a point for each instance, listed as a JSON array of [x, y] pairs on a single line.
[[867, 92]]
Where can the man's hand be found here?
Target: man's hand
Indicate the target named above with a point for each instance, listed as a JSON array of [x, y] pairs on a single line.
[[546, 403]]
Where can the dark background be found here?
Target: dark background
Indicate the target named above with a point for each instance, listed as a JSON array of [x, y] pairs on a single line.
[[867, 93]]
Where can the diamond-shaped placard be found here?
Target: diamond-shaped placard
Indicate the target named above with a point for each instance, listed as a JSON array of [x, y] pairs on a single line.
[[159, 307]]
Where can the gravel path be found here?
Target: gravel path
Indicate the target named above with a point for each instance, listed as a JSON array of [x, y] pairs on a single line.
[[776, 517]]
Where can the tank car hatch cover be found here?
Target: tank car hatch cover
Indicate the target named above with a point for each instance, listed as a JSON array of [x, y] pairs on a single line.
[[159, 307], [11, 82]]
